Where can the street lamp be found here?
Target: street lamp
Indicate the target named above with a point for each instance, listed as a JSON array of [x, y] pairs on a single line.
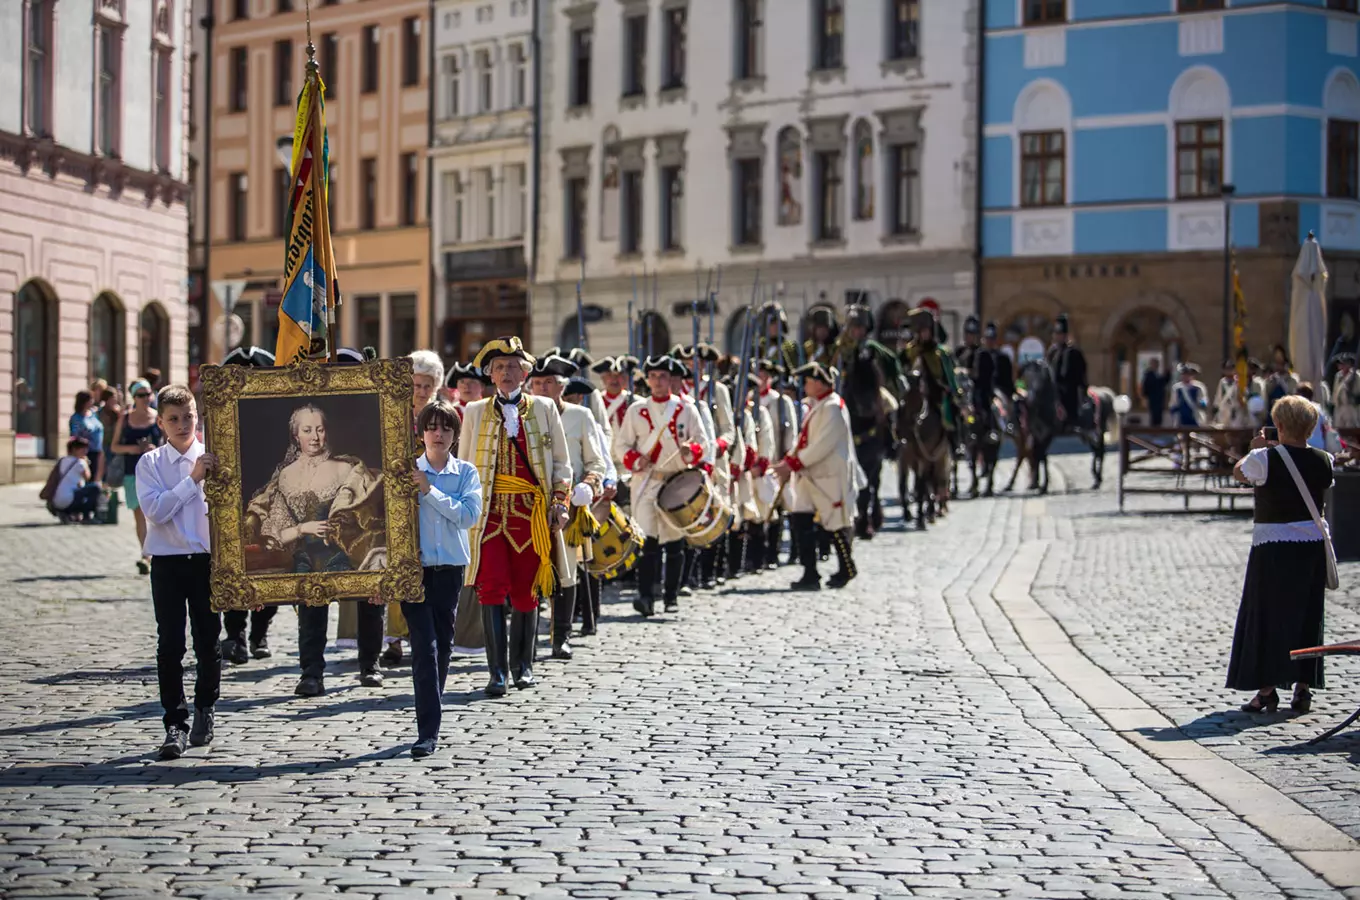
[[1227, 192]]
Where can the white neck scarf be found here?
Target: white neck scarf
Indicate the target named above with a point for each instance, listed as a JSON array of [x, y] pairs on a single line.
[[510, 414]]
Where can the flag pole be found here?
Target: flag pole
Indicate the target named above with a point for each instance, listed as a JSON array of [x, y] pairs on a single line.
[[321, 244]]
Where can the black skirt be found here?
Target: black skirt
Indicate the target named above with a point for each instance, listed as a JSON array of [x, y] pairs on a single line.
[[1282, 603]]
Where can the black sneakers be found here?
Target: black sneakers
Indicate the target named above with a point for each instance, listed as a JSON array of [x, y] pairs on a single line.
[[234, 652], [201, 734], [422, 749], [176, 742], [260, 649], [371, 677], [309, 686]]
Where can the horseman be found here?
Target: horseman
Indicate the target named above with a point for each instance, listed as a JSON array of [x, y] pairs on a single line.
[[772, 341], [936, 365], [966, 354], [1069, 373], [1003, 369], [820, 346], [869, 380]]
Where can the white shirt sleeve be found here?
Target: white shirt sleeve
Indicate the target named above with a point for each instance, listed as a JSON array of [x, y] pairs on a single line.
[[1256, 465]]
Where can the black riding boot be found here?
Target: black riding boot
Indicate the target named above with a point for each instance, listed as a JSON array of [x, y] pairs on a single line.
[[523, 636], [564, 604], [847, 571], [795, 536], [497, 649], [804, 526], [675, 554], [774, 536], [708, 563], [587, 586], [648, 571], [863, 527], [822, 542], [596, 589], [736, 546]]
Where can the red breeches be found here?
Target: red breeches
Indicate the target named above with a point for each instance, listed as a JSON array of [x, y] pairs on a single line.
[[503, 572]]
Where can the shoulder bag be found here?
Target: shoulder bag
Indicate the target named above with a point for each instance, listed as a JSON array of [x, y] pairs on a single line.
[[1333, 581]]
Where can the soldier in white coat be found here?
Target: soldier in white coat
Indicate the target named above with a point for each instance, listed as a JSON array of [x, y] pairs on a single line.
[[547, 379], [715, 403], [821, 472], [578, 391], [661, 436], [616, 374], [757, 433], [784, 432]]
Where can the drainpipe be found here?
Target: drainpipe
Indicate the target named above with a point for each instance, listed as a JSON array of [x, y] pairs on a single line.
[[206, 179], [536, 208], [981, 147], [436, 342]]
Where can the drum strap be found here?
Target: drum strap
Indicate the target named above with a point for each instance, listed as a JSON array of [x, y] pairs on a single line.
[[668, 417]]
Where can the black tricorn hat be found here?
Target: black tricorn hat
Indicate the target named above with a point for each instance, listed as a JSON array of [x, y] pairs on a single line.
[[972, 325], [660, 363], [817, 371], [251, 357], [578, 386], [1348, 358], [553, 365], [772, 366], [349, 356], [581, 358], [459, 371]]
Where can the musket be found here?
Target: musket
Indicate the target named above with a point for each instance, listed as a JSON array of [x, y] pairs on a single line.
[[651, 320], [712, 311], [632, 333], [748, 332]]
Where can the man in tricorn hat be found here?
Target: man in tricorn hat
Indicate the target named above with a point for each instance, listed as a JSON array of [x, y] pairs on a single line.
[[518, 445], [1003, 367], [1069, 373], [470, 384], [820, 471]]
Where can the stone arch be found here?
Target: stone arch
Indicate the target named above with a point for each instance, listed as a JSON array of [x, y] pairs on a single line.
[[654, 323], [1144, 325], [36, 312], [1043, 105], [154, 340], [108, 338], [1341, 94], [1166, 303], [1201, 92]]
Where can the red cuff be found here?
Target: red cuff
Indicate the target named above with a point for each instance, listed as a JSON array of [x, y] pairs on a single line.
[[707, 467], [630, 460], [794, 463], [750, 459], [722, 446], [656, 452], [696, 452], [735, 470], [762, 465]]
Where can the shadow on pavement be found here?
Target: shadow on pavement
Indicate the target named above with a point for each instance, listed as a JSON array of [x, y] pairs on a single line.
[[1216, 724], [87, 577]]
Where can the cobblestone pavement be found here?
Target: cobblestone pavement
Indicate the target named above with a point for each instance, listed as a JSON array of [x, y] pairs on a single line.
[[897, 738]]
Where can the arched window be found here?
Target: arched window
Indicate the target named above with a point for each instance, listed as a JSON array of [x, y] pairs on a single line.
[[790, 209], [155, 341], [654, 336], [569, 337], [735, 330], [609, 186], [107, 337], [864, 172], [34, 371]]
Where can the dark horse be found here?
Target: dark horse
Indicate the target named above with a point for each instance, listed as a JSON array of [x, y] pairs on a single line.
[[1036, 423], [1093, 420], [986, 431], [862, 387], [923, 449]]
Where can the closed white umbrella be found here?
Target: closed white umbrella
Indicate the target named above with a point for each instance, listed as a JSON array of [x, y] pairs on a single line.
[[1308, 313]]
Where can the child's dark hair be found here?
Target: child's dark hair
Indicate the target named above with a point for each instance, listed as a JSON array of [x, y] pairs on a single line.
[[76, 443], [439, 413]]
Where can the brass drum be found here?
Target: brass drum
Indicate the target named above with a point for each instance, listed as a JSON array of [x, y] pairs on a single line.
[[689, 501], [619, 545]]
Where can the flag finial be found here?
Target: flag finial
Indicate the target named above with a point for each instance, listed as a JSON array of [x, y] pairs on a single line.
[[312, 66]]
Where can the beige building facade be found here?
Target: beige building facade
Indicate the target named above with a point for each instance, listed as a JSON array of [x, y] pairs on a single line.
[[373, 57]]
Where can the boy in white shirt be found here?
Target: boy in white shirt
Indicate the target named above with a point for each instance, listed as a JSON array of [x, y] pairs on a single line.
[[170, 492], [75, 496]]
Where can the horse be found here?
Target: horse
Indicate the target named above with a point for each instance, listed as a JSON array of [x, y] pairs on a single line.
[[1093, 420], [870, 405], [987, 428], [1036, 424], [923, 449]]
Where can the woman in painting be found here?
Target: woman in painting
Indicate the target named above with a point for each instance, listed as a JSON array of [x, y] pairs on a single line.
[[317, 505]]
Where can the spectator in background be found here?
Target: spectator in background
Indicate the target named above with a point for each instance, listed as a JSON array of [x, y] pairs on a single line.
[[136, 433], [1324, 436], [1153, 391], [153, 378], [75, 497], [85, 423], [110, 411], [1189, 398]]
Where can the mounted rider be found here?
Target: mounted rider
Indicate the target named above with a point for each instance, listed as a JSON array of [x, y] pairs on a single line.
[[870, 382], [824, 332], [773, 340], [966, 354], [1069, 375], [936, 365]]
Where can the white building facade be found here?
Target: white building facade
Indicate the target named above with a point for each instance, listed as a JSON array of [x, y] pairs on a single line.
[[482, 166], [93, 225], [829, 144]]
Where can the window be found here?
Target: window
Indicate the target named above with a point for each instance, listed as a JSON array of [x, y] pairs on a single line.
[[39, 68], [240, 78], [487, 188], [635, 56], [451, 192], [160, 109], [402, 308], [484, 81], [368, 178], [410, 51], [828, 33], [1043, 168], [453, 85], [110, 89], [1199, 158], [673, 75], [240, 9], [369, 75], [581, 39], [574, 203], [370, 322], [750, 37], [106, 340], [864, 172], [672, 207], [283, 196], [830, 196], [904, 29], [283, 73], [236, 206], [519, 77], [630, 198], [904, 186], [410, 179], [517, 192], [1343, 5], [285, 6], [1201, 5], [330, 63], [748, 203], [1343, 159], [1045, 12], [155, 338]]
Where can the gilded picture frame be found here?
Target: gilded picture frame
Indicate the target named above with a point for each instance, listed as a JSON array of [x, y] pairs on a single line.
[[326, 524]]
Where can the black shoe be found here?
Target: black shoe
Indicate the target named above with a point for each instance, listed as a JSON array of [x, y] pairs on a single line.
[[260, 649], [673, 605], [687, 591], [202, 733], [1302, 701], [422, 749], [176, 742], [392, 655], [309, 686], [645, 606], [807, 584], [1263, 703], [234, 652], [523, 636], [369, 676], [493, 626], [839, 580]]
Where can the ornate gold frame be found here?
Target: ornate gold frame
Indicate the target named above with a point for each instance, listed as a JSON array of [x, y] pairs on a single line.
[[223, 388]]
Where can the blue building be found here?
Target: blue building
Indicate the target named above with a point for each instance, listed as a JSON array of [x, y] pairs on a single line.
[[1110, 128]]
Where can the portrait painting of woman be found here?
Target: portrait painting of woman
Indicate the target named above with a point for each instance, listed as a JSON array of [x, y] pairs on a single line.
[[319, 511]]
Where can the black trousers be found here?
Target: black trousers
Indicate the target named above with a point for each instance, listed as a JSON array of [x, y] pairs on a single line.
[[654, 555], [431, 627], [869, 448], [234, 621], [774, 537], [804, 525], [180, 593], [312, 624]]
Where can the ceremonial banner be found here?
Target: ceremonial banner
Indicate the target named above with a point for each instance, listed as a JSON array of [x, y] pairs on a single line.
[[311, 295], [1239, 334]]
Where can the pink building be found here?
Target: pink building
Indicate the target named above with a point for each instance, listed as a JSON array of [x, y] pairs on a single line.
[[93, 221]]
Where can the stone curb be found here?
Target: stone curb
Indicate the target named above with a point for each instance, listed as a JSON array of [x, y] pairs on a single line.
[[1310, 839]]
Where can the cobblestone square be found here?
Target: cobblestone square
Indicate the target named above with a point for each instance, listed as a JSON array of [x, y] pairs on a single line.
[[1023, 701]]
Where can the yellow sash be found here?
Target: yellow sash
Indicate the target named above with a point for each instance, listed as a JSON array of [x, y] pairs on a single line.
[[544, 580]]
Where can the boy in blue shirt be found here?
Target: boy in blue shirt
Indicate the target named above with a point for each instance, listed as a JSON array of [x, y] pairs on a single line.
[[450, 503]]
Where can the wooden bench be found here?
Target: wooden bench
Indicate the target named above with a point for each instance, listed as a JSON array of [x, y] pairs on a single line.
[[1184, 462], [1350, 648]]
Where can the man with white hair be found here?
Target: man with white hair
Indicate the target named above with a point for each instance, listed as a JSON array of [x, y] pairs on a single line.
[[547, 379]]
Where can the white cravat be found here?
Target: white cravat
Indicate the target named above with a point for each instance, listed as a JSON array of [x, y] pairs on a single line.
[[510, 415]]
